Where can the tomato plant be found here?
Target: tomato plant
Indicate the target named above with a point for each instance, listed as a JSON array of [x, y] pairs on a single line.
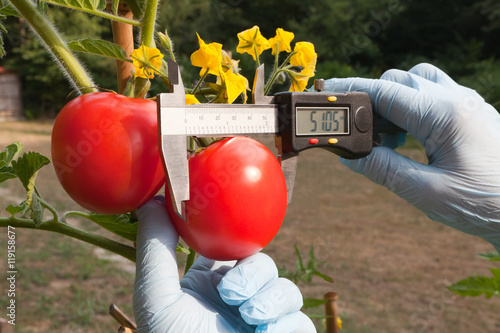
[[105, 152], [238, 199]]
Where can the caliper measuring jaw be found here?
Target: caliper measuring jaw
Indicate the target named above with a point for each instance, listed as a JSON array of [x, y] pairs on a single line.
[[173, 145], [173, 135], [287, 160]]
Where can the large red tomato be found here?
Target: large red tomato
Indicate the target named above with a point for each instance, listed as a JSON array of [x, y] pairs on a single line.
[[105, 152], [238, 199]]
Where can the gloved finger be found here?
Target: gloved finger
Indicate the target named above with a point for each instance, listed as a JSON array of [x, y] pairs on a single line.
[[399, 76], [204, 276], [434, 74], [392, 100], [247, 278], [276, 299], [403, 176], [412, 78], [203, 264], [296, 322], [404, 106], [157, 280], [421, 79]]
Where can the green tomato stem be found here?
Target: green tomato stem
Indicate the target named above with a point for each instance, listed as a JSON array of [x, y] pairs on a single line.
[[50, 208], [275, 73], [56, 45], [257, 60], [147, 36], [276, 56], [200, 81], [69, 230], [148, 23]]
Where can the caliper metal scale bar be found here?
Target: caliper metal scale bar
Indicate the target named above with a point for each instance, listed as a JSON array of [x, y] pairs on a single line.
[[346, 119]]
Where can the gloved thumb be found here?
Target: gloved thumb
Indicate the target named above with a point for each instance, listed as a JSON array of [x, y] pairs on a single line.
[[400, 174], [157, 277]]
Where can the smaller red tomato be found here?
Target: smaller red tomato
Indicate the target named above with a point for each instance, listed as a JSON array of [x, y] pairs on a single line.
[[105, 152], [238, 199]]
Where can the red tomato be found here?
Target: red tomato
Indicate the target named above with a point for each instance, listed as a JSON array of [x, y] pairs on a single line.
[[238, 200], [105, 152]]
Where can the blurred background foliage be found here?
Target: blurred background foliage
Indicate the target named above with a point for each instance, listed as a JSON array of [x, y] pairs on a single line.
[[352, 38]]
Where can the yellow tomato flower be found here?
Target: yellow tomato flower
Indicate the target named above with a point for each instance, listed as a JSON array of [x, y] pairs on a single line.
[[252, 42], [339, 323], [299, 80], [227, 62], [283, 39], [305, 55], [236, 85], [191, 99], [207, 57], [145, 59]]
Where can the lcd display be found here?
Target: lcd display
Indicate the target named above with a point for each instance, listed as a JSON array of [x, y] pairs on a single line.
[[322, 121]]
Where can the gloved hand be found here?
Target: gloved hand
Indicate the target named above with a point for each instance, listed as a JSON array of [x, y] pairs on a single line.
[[243, 296], [460, 186]]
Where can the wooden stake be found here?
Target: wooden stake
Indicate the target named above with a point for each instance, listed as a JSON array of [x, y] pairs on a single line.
[[121, 318], [331, 312], [5, 327], [123, 35]]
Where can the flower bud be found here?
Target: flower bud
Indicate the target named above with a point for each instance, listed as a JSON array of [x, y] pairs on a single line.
[[281, 78], [166, 42]]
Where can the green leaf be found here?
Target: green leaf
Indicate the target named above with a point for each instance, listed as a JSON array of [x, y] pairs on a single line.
[[94, 7], [21, 208], [182, 248], [323, 276], [7, 172], [317, 316], [313, 302], [121, 225], [496, 273], [27, 166], [99, 47], [9, 10], [491, 256], [90, 5], [136, 6], [2, 50], [114, 6], [42, 6], [10, 153], [477, 285], [300, 263]]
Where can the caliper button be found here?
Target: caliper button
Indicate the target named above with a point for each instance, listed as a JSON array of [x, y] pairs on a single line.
[[333, 141], [313, 141], [363, 119]]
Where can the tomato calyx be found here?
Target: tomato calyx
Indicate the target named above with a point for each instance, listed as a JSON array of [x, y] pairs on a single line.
[[197, 145]]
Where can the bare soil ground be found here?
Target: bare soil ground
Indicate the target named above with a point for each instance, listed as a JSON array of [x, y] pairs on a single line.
[[390, 263]]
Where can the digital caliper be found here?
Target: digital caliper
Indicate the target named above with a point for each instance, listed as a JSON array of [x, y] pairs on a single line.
[[343, 123]]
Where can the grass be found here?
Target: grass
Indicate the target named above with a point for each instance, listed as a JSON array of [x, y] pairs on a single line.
[[62, 285], [390, 263]]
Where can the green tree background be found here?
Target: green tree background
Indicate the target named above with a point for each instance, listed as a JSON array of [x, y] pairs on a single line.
[[351, 37]]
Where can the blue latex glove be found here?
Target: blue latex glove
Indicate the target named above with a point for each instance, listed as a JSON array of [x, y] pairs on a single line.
[[460, 186], [214, 296]]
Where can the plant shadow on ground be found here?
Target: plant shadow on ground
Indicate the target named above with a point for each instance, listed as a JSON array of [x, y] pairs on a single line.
[[390, 263]]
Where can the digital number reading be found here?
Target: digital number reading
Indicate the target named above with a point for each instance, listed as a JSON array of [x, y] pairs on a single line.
[[322, 121]]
